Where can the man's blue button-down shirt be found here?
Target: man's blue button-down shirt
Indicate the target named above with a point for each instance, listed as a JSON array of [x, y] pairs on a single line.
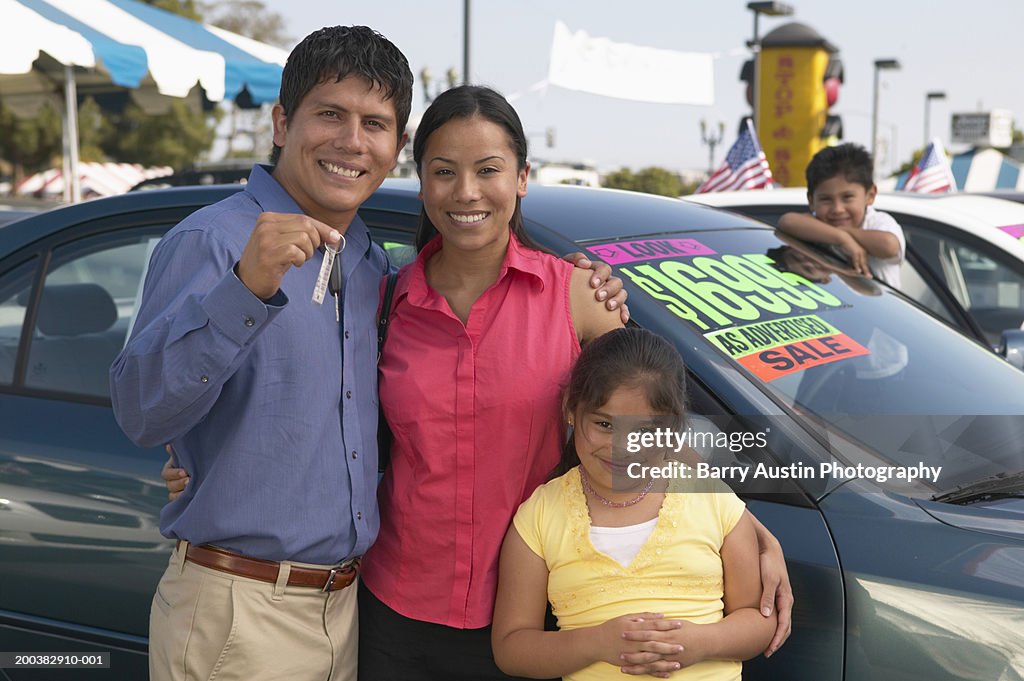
[[271, 407]]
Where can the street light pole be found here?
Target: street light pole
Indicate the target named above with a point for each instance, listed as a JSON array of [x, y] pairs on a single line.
[[772, 9], [465, 42], [927, 110], [880, 64], [711, 140]]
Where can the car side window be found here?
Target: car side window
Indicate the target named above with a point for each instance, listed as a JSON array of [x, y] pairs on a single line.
[[986, 286], [915, 287], [83, 314], [394, 232], [14, 294]]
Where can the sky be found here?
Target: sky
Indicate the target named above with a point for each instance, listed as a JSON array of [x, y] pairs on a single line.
[[968, 50]]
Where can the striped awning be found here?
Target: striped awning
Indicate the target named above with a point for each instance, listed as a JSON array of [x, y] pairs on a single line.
[[980, 170], [97, 179], [126, 44]]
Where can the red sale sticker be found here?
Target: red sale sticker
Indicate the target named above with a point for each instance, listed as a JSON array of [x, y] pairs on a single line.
[[786, 359]]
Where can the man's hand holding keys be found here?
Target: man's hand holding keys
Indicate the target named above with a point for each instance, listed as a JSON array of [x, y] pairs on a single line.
[[278, 242]]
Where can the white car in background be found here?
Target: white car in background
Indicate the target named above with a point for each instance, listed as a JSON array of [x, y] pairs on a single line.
[[964, 252]]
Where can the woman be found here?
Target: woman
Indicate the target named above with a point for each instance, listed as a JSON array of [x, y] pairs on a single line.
[[484, 330]]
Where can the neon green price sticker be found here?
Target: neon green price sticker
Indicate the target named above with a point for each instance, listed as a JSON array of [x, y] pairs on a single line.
[[723, 291]]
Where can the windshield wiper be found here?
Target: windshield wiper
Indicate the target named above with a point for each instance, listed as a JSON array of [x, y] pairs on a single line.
[[997, 487]]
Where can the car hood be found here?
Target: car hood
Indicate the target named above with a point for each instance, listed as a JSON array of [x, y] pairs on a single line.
[[1002, 517]]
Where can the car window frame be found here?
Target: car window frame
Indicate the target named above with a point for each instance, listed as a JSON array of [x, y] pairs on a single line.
[[970, 240], [110, 229]]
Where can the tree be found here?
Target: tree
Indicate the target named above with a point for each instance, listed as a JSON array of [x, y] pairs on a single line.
[[651, 180], [30, 144], [250, 18], [175, 138], [94, 129]]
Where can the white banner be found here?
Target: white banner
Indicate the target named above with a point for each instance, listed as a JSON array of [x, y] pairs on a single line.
[[643, 74]]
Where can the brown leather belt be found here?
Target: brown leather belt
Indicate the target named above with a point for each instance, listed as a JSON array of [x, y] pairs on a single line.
[[215, 558]]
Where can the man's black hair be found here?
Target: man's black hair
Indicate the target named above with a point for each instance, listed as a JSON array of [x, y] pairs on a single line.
[[849, 160], [341, 51]]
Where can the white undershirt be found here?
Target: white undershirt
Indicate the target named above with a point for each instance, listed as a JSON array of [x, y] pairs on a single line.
[[622, 543]]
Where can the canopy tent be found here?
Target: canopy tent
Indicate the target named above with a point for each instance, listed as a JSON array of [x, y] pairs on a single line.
[[980, 170], [95, 179], [60, 47]]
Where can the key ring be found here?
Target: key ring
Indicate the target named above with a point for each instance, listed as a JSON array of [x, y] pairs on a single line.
[[337, 251]]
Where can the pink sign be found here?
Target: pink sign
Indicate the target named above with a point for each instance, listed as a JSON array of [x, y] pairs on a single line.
[[1016, 231], [620, 252]]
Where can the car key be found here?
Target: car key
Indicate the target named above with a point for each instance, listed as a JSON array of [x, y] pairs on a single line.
[[334, 286], [330, 277]]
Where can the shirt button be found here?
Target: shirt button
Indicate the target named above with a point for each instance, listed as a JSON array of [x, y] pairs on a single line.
[[354, 454], [348, 394], [249, 321], [346, 334], [205, 379], [359, 515]]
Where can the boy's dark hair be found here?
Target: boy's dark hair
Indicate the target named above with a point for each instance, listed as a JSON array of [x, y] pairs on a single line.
[[630, 357], [341, 51], [466, 101], [852, 161]]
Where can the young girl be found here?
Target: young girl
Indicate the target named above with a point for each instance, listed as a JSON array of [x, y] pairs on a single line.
[[664, 575]]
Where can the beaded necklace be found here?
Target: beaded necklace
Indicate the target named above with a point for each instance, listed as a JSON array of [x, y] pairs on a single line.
[[608, 502]]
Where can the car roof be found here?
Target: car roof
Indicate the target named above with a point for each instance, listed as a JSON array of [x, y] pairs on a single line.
[[588, 213], [578, 213], [980, 216]]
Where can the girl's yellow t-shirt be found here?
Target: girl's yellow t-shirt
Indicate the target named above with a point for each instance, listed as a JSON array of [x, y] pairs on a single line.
[[678, 571]]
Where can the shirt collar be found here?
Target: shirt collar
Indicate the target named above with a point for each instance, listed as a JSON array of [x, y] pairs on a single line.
[[518, 258], [271, 197]]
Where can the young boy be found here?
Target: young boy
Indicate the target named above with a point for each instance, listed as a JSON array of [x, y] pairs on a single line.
[[840, 191]]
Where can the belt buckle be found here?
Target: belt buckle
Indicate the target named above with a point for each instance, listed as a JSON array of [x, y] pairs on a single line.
[[345, 568], [330, 581]]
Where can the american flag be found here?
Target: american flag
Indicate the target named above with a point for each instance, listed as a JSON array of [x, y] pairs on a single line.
[[932, 173], [745, 166]]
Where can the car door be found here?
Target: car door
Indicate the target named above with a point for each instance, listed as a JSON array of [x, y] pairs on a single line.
[[79, 503], [986, 282]]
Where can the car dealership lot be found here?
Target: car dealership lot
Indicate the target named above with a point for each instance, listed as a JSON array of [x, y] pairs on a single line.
[[908, 579]]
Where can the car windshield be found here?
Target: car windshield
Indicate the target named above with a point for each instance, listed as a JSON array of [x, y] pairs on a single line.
[[844, 352]]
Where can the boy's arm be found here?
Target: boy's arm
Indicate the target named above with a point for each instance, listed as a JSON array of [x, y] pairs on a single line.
[[806, 227], [882, 245], [881, 235], [522, 647]]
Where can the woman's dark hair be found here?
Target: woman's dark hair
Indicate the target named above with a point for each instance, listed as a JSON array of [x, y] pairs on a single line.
[[339, 52], [466, 101], [629, 357]]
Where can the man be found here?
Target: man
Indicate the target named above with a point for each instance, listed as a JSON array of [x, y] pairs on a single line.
[[269, 400]]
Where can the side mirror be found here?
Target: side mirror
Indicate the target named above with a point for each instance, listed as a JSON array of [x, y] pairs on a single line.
[[1011, 347]]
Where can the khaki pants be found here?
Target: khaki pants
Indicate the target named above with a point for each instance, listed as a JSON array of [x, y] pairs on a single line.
[[207, 624]]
